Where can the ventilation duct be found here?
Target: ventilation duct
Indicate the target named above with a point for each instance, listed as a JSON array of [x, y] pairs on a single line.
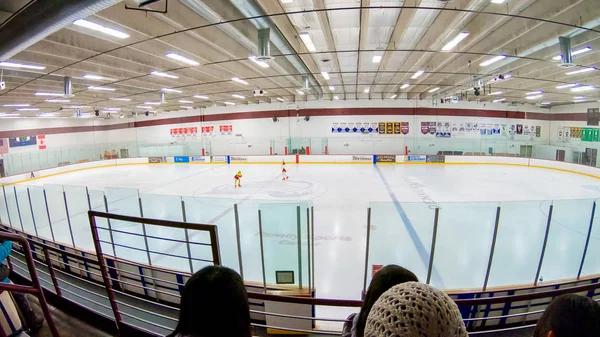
[[565, 50], [43, 18], [67, 87], [264, 45]]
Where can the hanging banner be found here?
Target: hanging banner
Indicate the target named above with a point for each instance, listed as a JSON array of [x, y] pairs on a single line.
[[226, 129], [439, 131], [425, 128], [405, 128], [397, 128], [432, 128], [560, 133], [389, 128], [41, 142], [538, 131]]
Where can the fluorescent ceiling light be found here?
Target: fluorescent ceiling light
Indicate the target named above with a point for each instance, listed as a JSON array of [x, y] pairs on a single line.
[[77, 107], [576, 97], [100, 28], [101, 88], [300, 92], [417, 74], [405, 85], [161, 74], [185, 101], [366, 91], [48, 94], [325, 75], [260, 63], [499, 100], [229, 103], [580, 100], [564, 86], [96, 77], [455, 41], [493, 60], [331, 87], [280, 99], [121, 99], [376, 58], [15, 105], [238, 96], [9, 114], [537, 92], [534, 97], [201, 96], [546, 103], [393, 96], [143, 107], [583, 88], [287, 1], [507, 76], [581, 71], [183, 59], [574, 53], [112, 109], [28, 109], [336, 97], [171, 90], [497, 1], [308, 42], [186, 107], [58, 101], [495, 93], [434, 89], [47, 114], [239, 80], [152, 103], [21, 66]]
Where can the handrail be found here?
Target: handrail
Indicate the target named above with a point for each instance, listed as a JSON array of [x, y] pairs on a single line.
[[36, 289]]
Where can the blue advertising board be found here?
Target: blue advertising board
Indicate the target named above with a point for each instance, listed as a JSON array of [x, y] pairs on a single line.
[[181, 159]]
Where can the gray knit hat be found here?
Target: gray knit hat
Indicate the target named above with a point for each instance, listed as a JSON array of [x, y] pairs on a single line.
[[414, 309]]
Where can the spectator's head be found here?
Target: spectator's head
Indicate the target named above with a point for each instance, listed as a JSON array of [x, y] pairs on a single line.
[[570, 315], [414, 309], [383, 280], [214, 303]]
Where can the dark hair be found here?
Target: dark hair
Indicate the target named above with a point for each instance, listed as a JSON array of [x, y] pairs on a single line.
[[214, 303], [570, 315], [383, 280]]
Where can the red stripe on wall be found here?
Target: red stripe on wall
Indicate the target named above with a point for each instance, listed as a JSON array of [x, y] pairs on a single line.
[[305, 112]]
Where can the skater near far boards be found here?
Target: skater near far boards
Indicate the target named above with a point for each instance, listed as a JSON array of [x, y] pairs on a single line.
[[284, 171], [237, 182]]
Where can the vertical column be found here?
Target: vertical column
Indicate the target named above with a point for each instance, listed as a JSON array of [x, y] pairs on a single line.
[[48, 213], [110, 233], [539, 269], [187, 237], [68, 216], [32, 214], [18, 208], [299, 241], [587, 241], [308, 247], [262, 251], [433, 241], [238, 240], [367, 249], [494, 237]]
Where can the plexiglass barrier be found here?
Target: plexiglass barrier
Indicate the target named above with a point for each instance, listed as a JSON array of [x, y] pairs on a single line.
[[574, 152], [60, 213]]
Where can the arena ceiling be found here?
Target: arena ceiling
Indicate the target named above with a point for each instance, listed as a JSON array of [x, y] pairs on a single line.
[[363, 49]]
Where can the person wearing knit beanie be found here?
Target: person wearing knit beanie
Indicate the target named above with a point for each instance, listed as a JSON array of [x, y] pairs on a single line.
[[414, 309]]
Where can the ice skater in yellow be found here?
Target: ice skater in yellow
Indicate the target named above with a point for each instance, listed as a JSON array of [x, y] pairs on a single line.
[[237, 179]]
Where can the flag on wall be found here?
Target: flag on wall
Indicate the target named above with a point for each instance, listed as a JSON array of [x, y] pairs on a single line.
[[41, 142]]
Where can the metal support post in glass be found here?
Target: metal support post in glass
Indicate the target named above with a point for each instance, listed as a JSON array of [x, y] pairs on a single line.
[[187, 237], [147, 248], [48, 213], [367, 249], [68, 217], [312, 242], [587, 240], [299, 239], [18, 208], [262, 251], [433, 241], [489, 267], [308, 247], [110, 233], [539, 268], [32, 213], [238, 240]]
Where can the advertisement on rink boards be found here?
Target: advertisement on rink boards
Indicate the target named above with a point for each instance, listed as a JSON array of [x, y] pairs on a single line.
[[238, 159], [385, 158], [436, 159], [156, 160], [219, 159], [200, 159], [416, 159], [181, 159], [362, 159]]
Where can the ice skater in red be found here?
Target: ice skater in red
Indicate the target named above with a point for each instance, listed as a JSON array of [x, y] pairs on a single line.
[[236, 179], [284, 172]]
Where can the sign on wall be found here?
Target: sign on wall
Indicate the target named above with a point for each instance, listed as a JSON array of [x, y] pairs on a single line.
[[22, 141], [226, 129], [183, 132], [42, 142], [208, 130]]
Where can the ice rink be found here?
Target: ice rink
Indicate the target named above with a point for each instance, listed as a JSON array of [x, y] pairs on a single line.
[[402, 200]]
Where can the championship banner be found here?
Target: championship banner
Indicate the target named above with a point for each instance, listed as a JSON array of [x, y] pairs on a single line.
[[560, 133], [566, 135], [439, 131], [335, 128], [454, 129], [405, 128], [519, 129], [208, 130], [425, 128], [226, 129], [468, 127], [447, 130], [389, 128], [461, 129], [382, 128], [397, 128], [432, 128], [575, 132], [374, 128], [496, 130], [538, 131]]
